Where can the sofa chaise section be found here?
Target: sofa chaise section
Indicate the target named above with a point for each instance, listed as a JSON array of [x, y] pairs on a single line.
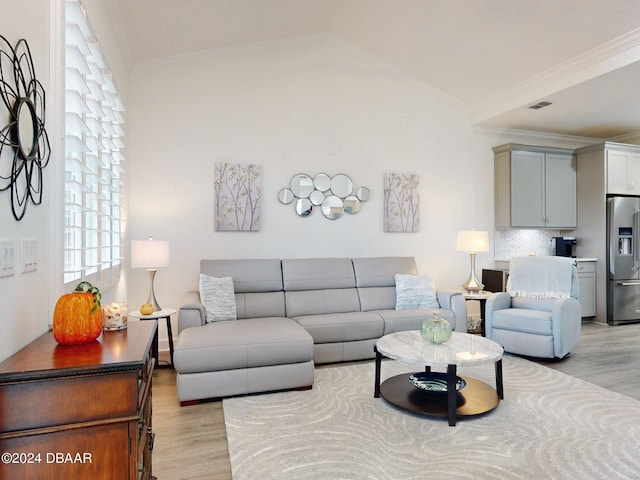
[[262, 350]]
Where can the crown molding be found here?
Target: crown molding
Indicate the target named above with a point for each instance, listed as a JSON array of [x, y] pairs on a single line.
[[631, 137], [544, 138]]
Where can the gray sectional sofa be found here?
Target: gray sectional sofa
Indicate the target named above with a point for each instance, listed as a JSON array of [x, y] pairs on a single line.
[[292, 314]]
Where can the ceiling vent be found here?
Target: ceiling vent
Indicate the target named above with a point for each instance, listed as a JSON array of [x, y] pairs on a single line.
[[540, 105]]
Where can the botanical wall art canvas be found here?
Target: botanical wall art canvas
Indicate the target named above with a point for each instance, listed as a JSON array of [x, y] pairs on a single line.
[[238, 196], [401, 202]]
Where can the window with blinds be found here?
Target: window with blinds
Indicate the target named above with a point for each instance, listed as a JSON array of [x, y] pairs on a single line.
[[93, 159]]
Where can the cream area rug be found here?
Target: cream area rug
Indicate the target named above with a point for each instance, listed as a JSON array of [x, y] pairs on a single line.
[[549, 426]]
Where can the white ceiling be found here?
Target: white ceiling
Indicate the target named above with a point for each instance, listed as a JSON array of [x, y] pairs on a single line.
[[494, 58]]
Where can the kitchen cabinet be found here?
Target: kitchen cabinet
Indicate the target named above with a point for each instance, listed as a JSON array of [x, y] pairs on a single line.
[[535, 187], [623, 171], [587, 282], [79, 411]]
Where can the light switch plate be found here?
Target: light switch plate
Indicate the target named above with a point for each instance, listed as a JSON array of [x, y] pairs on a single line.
[[7, 258], [29, 256]]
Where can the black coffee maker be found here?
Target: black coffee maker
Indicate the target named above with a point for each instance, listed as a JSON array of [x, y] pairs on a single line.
[[564, 246]]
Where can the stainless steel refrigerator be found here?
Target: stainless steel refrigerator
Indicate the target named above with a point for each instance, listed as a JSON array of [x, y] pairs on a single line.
[[623, 260]]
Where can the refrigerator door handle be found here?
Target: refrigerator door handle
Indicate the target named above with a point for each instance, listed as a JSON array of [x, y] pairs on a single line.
[[610, 224], [634, 240], [628, 284]]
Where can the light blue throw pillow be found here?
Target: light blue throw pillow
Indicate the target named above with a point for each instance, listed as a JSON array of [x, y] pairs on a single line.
[[415, 291], [218, 297]]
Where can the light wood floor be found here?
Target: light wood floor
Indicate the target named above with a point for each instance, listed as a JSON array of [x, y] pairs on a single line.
[[191, 441]]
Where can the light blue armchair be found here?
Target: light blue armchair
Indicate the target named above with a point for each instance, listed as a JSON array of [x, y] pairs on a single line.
[[539, 315]]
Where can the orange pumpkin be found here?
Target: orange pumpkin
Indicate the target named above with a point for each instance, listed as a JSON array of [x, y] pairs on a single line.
[[77, 317]]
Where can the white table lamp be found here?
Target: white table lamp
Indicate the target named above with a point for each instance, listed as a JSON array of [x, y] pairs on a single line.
[[473, 241], [150, 254]]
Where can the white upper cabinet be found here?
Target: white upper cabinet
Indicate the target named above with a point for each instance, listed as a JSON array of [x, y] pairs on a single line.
[[623, 172], [535, 187]]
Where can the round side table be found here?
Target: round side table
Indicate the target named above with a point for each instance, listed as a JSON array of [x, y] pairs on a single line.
[[166, 314]]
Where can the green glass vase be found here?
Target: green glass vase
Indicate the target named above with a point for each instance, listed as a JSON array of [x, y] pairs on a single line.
[[436, 330]]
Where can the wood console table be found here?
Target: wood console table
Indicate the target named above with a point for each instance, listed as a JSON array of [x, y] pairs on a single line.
[[81, 411]]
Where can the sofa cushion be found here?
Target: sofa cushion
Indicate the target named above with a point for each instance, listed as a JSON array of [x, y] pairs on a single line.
[[381, 271], [242, 344], [218, 297], [415, 292], [401, 320], [317, 302], [342, 327], [377, 298], [249, 275], [260, 304], [375, 279], [257, 283], [317, 274]]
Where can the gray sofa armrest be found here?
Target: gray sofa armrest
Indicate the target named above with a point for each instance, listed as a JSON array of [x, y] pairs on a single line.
[[455, 302], [191, 313]]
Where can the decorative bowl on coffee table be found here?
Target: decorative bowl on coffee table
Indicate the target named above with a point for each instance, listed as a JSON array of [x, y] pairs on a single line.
[[435, 382]]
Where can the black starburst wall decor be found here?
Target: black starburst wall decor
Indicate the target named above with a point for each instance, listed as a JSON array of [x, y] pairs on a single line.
[[24, 144]]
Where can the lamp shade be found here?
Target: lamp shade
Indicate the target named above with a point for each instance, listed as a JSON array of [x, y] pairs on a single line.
[[473, 241], [149, 253]]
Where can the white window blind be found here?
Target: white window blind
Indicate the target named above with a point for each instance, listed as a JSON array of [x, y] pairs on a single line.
[[93, 159]]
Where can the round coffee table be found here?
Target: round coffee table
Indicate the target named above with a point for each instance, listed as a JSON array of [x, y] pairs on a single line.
[[462, 349]]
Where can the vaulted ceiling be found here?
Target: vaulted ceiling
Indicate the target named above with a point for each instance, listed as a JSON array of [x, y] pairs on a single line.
[[494, 58]]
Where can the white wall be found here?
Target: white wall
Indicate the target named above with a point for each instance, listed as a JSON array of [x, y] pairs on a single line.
[[310, 105], [24, 298]]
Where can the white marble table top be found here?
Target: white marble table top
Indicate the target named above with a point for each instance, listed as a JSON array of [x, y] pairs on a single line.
[[483, 295], [165, 312], [462, 349]]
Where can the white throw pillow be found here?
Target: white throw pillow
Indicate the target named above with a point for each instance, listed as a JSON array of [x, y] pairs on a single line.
[[415, 291], [218, 297]]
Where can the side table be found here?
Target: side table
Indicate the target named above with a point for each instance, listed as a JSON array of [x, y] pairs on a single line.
[[166, 314], [482, 298]]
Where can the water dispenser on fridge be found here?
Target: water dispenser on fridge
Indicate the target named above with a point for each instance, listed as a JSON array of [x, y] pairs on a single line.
[[625, 241]]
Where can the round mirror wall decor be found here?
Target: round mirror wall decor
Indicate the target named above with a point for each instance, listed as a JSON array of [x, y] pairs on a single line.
[[363, 194], [332, 207], [285, 196], [334, 195], [322, 182], [341, 185], [316, 197], [26, 128], [351, 204], [301, 185], [24, 144], [304, 208]]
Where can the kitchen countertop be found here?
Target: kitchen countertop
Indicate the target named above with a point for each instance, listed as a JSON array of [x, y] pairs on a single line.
[[503, 264], [578, 259]]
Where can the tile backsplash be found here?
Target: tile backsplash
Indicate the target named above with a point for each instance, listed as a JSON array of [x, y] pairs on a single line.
[[515, 243]]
